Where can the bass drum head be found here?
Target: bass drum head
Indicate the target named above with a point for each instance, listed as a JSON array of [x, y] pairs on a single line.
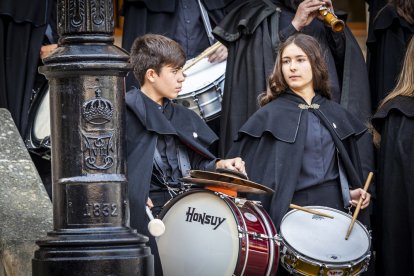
[[323, 239], [41, 126], [200, 238], [37, 136]]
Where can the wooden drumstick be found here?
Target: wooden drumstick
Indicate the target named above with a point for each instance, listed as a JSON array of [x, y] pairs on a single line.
[[358, 207], [204, 54], [294, 206]]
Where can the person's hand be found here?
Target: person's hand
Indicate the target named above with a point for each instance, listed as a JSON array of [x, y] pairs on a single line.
[[219, 55], [356, 194], [232, 164], [329, 6], [307, 11], [149, 203], [46, 50]]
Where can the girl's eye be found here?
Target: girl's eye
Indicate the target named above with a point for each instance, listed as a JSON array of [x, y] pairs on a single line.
[[285, 61]]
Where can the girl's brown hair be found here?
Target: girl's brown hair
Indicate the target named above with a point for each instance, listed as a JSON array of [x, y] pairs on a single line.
[[277, 83], [405, 9]]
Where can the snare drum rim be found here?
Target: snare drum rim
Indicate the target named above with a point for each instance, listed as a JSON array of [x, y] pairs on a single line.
[[291, 251], [216, 82], [310, 260], [242, 256]]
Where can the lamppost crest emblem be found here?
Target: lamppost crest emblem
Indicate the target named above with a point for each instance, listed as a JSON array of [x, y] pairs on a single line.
[[98, 110]]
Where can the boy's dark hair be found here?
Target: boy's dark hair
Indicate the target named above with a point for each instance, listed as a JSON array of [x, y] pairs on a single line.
[[152, 51]]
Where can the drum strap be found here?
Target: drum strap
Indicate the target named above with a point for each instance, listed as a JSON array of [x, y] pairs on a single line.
[[183, 159], [343, 179], [346, 196], [207, 24], [183, 164]]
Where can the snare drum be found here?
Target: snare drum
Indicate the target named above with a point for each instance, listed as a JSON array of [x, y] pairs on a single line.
[[202, 90], [37, 136], [209, 233], [316, 245]]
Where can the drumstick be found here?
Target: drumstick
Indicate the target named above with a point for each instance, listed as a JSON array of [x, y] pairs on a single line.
[[294, 206], [367, 183], [206, 52]]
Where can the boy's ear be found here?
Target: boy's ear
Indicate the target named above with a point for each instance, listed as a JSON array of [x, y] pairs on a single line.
[[150, 75]]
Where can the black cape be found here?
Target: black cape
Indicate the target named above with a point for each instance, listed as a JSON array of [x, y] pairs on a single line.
[[144, 123], [22, 27], [394, 206], [387, 43], [271, 143], [247, 32]]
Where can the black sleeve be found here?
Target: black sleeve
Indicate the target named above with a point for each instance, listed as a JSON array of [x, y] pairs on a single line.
[[199, 162], [337, 44], [289, 30]]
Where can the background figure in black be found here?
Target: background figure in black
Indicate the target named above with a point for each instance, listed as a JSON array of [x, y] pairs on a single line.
[[27, 29], [394, 206], [374, 6], [252, 32], [389, 35], [40, 154], [22, 27], [179, 20]]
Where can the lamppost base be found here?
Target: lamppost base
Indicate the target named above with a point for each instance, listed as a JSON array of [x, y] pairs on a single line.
[[100, 254]]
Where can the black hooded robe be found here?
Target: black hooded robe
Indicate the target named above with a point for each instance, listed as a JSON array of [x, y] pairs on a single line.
[[387, 44], [271, 143], [22, 27], [144, 123], [394, 206]]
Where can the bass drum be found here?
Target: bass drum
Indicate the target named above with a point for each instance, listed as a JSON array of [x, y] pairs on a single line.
[[208, 233], [37, 136], [202, 90], [315, 246]]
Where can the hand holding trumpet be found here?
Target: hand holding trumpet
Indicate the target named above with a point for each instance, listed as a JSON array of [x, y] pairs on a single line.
[[311, 9]]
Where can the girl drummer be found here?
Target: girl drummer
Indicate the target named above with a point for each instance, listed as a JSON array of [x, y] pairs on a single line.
[[300, 143]]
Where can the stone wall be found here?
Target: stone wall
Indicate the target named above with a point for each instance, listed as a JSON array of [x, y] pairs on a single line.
[[25, 208]]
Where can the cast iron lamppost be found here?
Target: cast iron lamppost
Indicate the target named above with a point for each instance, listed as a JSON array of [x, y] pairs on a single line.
[[86, 74]]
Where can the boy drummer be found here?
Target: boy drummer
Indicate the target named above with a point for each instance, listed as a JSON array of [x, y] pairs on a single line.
[[164, 139]]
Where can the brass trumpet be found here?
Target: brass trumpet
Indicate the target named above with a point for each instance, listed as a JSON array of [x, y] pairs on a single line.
[[336, 24]]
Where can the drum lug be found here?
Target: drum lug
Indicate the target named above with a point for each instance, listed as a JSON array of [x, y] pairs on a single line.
[[293, 262], [256, 202], [239, 201], [241, 231], [254, 235], [219, 92], [321, 270], [366, 263], [197, 102], [278, 240]]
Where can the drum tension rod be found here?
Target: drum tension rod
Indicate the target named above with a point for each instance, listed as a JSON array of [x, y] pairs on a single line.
[[255, 235]]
